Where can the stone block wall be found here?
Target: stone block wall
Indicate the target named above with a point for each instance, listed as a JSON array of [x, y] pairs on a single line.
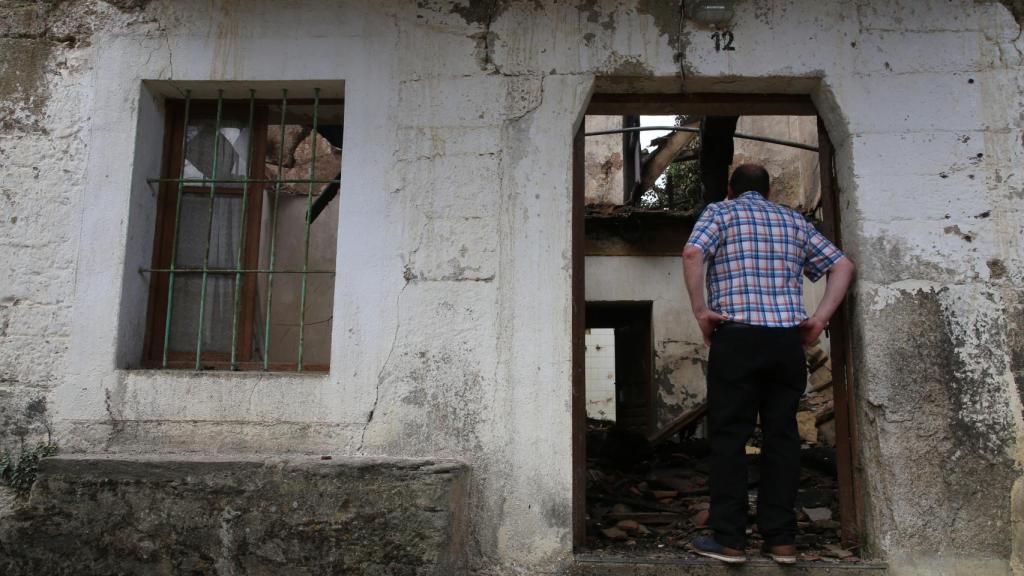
[[119, 515], [41, 160]]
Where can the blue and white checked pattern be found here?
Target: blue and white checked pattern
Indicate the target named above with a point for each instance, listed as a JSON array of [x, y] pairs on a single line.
[[756, 251]]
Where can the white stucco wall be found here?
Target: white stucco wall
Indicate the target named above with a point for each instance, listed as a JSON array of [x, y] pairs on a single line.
[[600, 373], [452, 306], [679, 351]]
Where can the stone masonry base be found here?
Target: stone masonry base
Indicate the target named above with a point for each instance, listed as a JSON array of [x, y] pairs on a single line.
[[248, 515]]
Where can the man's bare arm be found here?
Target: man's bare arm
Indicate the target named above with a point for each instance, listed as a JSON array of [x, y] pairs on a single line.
[[836, 284], [693, 274]]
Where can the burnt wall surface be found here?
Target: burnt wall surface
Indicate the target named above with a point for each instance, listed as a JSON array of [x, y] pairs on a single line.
[[95, 515], [933, 431]]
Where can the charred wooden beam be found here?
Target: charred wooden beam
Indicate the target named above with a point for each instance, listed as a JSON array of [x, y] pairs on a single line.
[[630, 160], [716, 151], [654, 164], [637, 233], [681, 422]]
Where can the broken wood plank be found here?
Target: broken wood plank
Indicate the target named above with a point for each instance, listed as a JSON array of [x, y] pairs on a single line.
[[820, 385], [682, 421], [824, 417], [655, 518], [638, 503], [656, 163]]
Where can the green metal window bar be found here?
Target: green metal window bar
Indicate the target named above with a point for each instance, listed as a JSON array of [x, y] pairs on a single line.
[[204, 272]]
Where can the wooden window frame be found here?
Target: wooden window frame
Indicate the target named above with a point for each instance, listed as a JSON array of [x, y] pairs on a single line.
[[164, 235]]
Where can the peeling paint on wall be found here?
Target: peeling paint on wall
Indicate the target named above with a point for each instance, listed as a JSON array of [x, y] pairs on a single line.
[[481, 12], [941, 404], [666, 14], [1016, 7]]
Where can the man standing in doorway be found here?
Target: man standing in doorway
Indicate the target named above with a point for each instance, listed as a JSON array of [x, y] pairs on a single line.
[[755, 323]]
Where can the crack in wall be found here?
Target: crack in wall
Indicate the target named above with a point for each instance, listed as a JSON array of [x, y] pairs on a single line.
[[383, 367], [485, 49], [1016, 8], [682, 41], [408, 277]]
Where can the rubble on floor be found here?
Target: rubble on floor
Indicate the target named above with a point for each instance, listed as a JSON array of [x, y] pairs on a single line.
[[651, 500], [654, 501]]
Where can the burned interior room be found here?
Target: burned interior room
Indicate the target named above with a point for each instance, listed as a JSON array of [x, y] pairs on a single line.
[[647, 179]]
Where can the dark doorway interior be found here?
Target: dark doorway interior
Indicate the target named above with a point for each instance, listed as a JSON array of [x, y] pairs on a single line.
[[631, 322], [645, 234]]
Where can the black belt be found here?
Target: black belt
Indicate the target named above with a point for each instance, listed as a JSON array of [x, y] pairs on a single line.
[[734, 325], [730, 325]]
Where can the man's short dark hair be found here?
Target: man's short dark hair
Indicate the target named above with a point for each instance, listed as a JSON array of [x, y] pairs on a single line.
[[747, 177]]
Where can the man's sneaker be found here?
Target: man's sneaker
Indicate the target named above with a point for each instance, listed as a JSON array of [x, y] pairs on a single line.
[[784, 554], [707, 546]]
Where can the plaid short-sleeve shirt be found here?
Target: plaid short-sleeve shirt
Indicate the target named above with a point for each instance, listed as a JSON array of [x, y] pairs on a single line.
[[756, 251]]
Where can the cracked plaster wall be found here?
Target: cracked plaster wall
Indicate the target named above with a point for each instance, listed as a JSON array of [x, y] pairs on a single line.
[[453, 295]]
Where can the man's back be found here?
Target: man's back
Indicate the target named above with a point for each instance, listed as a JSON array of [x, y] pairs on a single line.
[[756, 325], [757, 251]]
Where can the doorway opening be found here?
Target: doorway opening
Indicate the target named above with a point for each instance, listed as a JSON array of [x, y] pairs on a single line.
[[640, 490], [600, 361], [618, 363]]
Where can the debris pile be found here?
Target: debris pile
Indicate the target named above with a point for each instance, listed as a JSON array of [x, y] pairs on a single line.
[[651, 499], [816, 418]]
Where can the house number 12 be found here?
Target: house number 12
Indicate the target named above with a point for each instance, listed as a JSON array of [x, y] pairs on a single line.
[[723, 41]]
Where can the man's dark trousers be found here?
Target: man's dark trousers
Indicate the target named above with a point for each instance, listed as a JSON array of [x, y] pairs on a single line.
[[754, 370]]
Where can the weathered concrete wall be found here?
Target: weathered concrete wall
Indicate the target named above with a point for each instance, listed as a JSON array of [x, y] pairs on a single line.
[[452, 309], [42, 143], [940, 414], [603, 161], [796, 178], [116, 515]]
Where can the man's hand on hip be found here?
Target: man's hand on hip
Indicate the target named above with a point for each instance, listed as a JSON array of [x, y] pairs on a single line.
[[708, 321], [810, 330]]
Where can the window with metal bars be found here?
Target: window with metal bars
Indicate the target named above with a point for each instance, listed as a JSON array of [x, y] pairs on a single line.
[[246, 233]]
